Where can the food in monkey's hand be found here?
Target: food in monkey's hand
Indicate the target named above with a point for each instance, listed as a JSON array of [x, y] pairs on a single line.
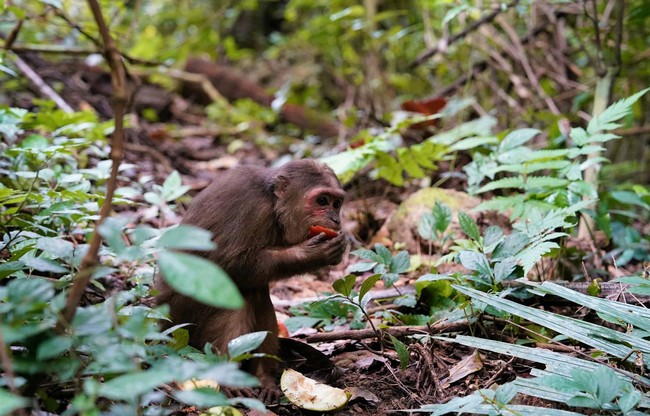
[[314, 230]]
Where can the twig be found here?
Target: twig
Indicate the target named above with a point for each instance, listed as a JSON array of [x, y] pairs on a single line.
[[54, 49], [43, 89], [13, 35], [485, 19], [118, 79], [396, 331]]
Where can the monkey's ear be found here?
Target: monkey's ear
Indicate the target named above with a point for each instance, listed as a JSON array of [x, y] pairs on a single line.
[[280, 185]]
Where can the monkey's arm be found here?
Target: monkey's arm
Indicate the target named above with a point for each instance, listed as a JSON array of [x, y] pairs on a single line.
[[279, 263]]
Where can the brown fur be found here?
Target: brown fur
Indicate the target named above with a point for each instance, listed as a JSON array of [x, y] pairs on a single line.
[[259, 218]]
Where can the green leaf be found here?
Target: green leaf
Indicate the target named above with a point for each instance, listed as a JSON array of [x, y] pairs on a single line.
[[401, 262], [111, 230], [426, 227], [202, 397], [476, 261], [631, 198], [130, 386], [504, 268], [530, 256], [368, 284], [514, 182], [384, 253], [469, 226], [186, 237], [61, 248], [492, 236], [629, 400], [345, 285], [173, 188], [517, 138], [442, 216], [402, 352], [408, 163], [616, 111], [246, 343], [361, 267], [34, 141], [9, 402], [200, 279], [43, 265], [53, 347]]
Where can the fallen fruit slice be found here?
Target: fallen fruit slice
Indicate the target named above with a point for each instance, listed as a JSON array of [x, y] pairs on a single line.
[[314, 230], [222, 411], [309, 394]]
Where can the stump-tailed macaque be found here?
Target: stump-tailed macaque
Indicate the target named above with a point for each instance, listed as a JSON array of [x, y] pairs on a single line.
[[260, 220]]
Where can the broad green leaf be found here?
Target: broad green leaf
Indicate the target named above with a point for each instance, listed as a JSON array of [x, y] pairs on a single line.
[[246, 343], [384, 253], [43, 265], [199, 279], [53, 347], [368, 284], [129, 387], [173, 188], [111, 230], [201, 397], [402, 352], [475, 261], [34, 141], [517, 138], [442, 216], [59, 247], [361, 267], [401, 262], [511, 245], [345, 285], [9, 402], [627, 197], [492, 236], [504, 268], [186, 237], [426, 227], [469, 226]]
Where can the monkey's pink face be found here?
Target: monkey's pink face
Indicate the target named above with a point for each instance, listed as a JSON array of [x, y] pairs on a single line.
[[323, 207]]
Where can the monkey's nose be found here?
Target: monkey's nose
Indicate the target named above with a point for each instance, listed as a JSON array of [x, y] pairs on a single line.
[[335, 220]]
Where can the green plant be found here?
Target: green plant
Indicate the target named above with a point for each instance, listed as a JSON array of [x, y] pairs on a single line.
[[547, 178], [112, 357]]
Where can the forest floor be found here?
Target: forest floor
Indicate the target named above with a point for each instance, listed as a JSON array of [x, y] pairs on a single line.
[[180, 140]]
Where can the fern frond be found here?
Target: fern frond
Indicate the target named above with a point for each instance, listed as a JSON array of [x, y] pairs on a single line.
[[606, 119]]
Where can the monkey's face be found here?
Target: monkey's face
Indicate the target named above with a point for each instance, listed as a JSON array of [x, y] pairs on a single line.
[[323, 207]]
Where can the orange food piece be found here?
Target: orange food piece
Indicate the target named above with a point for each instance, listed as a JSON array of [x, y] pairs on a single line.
[[314, 230], [283, 332]]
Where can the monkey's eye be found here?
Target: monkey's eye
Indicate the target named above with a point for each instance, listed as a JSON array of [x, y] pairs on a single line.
[[337, 204], [322, 201]]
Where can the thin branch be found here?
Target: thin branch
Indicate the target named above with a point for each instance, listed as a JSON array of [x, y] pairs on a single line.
[[42, 87], [453, 39], [120, 98], [396, 331]]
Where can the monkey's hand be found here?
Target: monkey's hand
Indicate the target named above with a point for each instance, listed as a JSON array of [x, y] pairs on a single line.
[[323, 252], [305, 257]]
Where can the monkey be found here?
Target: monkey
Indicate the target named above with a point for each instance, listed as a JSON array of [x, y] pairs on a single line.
[[259, 218]]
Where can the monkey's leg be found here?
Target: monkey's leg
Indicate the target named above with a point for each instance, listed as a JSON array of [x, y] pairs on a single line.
[[265, 320]]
